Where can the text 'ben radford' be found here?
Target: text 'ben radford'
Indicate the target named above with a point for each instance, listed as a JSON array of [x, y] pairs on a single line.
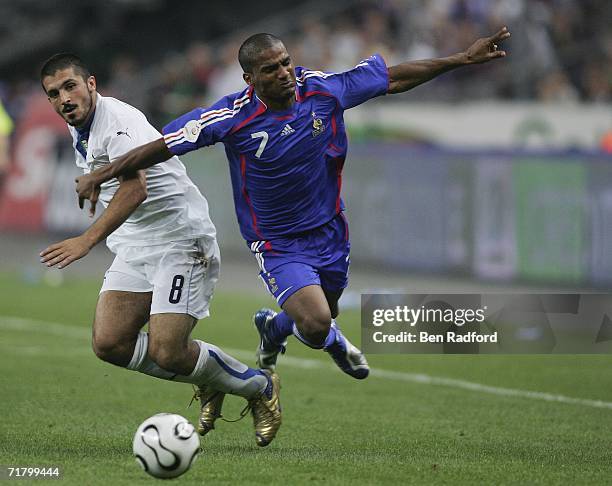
[[427, 337]]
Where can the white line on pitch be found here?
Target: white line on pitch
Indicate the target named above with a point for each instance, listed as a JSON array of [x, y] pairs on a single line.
[[58, 329]]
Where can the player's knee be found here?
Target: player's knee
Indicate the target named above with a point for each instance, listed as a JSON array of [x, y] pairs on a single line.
[[109, 349], [315, 327]]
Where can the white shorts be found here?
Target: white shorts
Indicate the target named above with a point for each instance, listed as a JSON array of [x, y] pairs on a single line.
[[182, 275]]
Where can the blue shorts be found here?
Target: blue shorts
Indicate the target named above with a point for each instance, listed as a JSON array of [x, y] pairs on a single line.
[[316, 257]]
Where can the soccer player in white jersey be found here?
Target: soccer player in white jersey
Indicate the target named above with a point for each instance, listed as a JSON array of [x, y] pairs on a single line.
[[167, 258]]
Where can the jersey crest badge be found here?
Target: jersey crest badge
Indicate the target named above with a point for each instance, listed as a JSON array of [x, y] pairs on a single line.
[[191, 130], [317, 125]]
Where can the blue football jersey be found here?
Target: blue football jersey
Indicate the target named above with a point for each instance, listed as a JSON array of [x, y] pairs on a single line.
[[285, 166]]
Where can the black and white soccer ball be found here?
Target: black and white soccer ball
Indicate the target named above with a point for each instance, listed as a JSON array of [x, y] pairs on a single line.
[[166, 445]]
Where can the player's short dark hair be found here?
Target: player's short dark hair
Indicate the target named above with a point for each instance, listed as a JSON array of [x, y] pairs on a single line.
[[252, 47], [64, 60]]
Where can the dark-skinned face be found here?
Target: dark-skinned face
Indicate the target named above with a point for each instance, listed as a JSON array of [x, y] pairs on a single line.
[[71, 96], [273, 77]]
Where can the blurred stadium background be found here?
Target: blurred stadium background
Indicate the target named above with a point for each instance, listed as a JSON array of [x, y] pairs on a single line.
[[497, 173]]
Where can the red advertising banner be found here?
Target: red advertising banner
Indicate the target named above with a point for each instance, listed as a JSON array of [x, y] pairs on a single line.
[[26, 189]]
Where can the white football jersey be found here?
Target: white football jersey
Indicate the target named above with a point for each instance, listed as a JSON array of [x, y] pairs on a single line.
[[174, 209]]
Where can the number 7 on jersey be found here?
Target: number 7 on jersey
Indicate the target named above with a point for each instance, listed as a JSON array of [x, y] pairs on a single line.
[[262, 145]]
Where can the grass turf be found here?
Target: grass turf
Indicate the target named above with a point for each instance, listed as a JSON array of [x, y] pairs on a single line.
[[62, 406]]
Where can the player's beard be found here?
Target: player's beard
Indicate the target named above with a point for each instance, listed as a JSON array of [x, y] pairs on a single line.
[[86, 112]]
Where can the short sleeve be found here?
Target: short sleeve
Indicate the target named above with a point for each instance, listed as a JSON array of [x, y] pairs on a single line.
[[365, 81], [200, 127]]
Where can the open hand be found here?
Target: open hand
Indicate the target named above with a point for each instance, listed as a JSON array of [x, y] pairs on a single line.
[[487, 48], [65, 252], [88, 188]]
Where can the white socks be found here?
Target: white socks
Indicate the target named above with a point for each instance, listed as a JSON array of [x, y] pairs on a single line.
[[224, 373], [214, 368]]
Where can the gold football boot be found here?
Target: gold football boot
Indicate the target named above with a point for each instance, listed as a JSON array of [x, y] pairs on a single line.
[[266, 412], [211, 402]]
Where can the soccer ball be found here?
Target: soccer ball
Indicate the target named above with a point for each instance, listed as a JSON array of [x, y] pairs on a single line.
[[165, 445]]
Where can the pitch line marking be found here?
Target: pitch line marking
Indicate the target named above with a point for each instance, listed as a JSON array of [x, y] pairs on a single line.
[[64, 330]]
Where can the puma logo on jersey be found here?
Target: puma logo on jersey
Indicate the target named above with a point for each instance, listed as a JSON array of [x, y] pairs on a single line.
[[287, 130], [124, 133]]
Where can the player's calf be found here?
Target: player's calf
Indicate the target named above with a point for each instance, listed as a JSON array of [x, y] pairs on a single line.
[[179, 359], [314, 330]]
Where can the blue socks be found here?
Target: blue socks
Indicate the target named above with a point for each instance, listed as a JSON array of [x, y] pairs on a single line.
[[331, 337], [280, 328]]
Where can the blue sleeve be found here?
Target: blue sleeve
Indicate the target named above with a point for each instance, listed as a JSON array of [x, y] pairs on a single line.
[[365, 81], [199, 128]]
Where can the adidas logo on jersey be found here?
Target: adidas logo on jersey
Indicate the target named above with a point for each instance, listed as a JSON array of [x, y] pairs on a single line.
[[287, 130]]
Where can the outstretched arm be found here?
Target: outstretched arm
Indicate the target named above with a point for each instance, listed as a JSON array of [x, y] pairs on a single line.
[[131, 193], [147, 155], [407, 75]]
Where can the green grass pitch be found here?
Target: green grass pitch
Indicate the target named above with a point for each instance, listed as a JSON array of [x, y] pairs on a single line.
[[61, 406]]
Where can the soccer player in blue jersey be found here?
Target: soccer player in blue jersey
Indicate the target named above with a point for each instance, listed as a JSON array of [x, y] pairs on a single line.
[[286, 144]]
